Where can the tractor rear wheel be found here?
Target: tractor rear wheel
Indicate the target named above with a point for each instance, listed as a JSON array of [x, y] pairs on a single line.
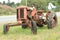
[[34, 27], [24, 25], [52, 21]]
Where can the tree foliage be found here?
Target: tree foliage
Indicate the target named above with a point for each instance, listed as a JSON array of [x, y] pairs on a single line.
[[3, 2], [41, 4]]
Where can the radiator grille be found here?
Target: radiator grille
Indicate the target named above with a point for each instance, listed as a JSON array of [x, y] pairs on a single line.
[[21, 13]]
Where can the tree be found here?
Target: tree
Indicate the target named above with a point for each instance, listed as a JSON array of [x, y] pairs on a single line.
[[59, 2], [12, 4], [8, 2], [3, 2], [41, 4], [17, 4], [0, 3]]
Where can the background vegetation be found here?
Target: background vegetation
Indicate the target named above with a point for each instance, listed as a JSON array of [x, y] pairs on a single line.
[[38, 4], [42, 4], [8, 8]]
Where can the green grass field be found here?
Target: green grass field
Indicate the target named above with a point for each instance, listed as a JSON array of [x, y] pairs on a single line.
[[17, 33]]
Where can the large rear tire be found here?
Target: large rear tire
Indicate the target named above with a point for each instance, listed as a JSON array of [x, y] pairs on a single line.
[[52, 20]]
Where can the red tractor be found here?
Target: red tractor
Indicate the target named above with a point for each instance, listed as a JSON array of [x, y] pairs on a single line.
[[28, 17]]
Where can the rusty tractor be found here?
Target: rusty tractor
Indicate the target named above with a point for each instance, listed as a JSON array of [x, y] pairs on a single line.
[[32, 18]]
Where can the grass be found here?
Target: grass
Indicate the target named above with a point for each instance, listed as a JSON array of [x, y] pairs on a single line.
[[17, 33]]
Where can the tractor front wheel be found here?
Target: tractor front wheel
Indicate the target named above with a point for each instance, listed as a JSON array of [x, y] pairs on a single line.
[[5, 29], [34, 27]]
